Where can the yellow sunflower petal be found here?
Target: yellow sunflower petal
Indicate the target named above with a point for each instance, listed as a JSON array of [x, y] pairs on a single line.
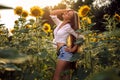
[[87, 19], [27, 26], [12, 30], [36, 11], [83, 11], [46, 28], [24, 13], [18, 10], [117, 17]]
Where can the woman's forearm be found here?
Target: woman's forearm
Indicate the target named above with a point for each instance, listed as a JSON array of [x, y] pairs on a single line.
[[57, 12], [74, 48]]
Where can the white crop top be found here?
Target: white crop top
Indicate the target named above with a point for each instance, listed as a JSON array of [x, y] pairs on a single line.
[[61, 34]]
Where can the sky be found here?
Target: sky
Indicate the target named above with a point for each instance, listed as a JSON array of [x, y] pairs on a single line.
[[7, 15]]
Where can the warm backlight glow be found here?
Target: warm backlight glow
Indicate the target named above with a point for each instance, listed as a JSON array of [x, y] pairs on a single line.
[[8, 17], [29, 3]]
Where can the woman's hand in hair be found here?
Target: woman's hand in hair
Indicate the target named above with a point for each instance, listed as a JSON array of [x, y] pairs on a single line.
[[57, 12]]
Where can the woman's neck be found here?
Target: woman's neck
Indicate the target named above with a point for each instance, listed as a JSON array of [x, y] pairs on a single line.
[[65, 21]]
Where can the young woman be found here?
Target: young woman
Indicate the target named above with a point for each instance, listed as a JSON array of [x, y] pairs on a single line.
[[64, 29]]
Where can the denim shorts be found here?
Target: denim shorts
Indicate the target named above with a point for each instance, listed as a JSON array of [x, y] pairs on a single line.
[[64, 55]]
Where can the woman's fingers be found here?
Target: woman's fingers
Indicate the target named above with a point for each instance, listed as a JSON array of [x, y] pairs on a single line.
[[67, 49]]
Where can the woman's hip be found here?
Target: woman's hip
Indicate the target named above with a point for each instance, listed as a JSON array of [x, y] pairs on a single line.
[[64, 55]]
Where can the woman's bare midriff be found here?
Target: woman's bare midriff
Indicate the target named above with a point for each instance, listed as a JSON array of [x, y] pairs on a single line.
[[60, 45]]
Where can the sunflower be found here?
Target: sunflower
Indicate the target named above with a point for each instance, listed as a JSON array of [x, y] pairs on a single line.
[[87, 19], [32, 21], [83, 11], [18, 10], [36, 11], [117, 17], [24, 13], [27, 26], [46, 28], [12, 30], [93, 39], [16, 22]]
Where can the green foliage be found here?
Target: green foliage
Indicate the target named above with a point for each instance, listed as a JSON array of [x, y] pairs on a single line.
[[27, 51], [106, 74], [27, 54], [99, 51]]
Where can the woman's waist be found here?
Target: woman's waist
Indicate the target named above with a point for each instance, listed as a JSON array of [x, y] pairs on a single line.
[[60, 39], [59, 45]]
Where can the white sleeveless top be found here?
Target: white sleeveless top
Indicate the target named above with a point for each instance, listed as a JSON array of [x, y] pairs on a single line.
[[61, 34]]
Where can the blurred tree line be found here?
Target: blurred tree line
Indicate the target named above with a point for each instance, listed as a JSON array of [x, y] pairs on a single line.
[[98, 12]]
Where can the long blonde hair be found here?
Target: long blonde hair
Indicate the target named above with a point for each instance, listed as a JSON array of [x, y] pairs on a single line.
[[75, 24]]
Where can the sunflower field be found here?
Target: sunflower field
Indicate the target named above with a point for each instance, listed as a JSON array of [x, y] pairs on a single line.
[[27, 52]]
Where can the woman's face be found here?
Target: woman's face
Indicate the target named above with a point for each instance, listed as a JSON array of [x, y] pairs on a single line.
[[68, 15]]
